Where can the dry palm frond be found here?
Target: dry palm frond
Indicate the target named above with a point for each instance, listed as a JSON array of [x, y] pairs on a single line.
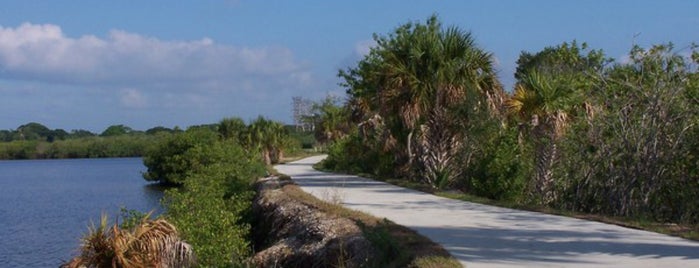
[[152, 243]]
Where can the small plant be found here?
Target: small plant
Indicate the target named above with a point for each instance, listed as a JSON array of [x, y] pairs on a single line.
[[150, 243]]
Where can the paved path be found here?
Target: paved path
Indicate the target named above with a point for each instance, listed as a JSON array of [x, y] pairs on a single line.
[[488, 236]]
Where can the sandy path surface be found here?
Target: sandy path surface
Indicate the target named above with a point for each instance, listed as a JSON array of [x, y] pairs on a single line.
[[487, 236]]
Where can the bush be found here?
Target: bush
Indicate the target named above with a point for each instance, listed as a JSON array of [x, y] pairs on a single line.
[[171, 160], [351, 154], [499, 170], [212, 207], [217, 227]]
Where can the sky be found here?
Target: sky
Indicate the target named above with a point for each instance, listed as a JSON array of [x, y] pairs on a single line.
[[91, 64]]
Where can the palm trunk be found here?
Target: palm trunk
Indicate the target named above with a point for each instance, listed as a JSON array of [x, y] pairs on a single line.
[[267, 156], [411, 156], [545, 151]]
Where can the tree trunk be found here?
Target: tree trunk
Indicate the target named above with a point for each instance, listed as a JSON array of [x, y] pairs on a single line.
[[545, 151], [411, 156], [267, 157]]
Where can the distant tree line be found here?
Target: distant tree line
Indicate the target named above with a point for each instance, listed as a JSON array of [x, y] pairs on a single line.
[[578, 131], [36, 141], [37, 132]]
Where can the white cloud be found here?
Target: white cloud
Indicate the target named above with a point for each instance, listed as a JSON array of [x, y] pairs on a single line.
[[143, 81], [44, 53]]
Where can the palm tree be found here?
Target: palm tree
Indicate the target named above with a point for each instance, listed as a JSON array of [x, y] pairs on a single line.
[[267, 136], [330, 120], [413, 80], [543, 104]]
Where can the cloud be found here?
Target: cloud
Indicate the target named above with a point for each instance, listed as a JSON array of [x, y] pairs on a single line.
[[142, 81], [44, 53]]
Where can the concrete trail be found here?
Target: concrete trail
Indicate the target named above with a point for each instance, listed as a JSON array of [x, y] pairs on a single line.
[[488, 236]]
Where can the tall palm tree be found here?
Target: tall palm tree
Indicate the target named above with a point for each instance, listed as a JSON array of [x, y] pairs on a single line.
[[423, 73], [543, 104]]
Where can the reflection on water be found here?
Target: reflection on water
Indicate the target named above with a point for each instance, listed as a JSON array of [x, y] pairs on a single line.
[[46, 205]]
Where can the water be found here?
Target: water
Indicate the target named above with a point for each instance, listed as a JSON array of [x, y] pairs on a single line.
[[46, 205]]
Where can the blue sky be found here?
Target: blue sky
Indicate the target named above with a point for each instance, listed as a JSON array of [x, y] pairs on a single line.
[[91, 64]]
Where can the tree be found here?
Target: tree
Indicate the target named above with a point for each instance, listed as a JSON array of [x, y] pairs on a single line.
[[544, 104], [549, 91], [637, 157], [565, 59], [5, 135], [171, 160], [409, 85], [81, 133], [33, 131], [57, 134], [232, 128], [116, 130], [267, 137], [158, 129], [330, 120]]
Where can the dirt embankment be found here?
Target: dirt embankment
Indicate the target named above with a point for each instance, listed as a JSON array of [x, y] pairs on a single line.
[[295, 229], [293, 233]]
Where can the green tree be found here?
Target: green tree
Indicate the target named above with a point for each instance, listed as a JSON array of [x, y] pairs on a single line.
[[267, 137], [81, 133], [550, 90], [116, 130], [158, 129], [543, 104], [5, 135], [33, 131], [232, 129], [330, 120], [172, 159], [409, 85], [637, 157], [565, 59], [57, 134]]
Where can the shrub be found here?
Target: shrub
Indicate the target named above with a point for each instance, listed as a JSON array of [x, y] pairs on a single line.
[[171, 160], [213, 205], [499, 170]]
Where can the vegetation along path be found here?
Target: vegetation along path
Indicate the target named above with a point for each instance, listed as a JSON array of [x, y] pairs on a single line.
[[487, 236]]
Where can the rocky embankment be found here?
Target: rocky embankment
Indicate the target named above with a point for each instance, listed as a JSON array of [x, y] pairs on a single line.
[[291, 232]]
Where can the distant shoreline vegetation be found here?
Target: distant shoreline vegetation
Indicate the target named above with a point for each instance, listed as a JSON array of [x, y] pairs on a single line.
[[36, 141]]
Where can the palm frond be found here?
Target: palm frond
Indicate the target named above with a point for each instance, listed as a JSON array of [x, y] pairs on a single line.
[[152, 243]]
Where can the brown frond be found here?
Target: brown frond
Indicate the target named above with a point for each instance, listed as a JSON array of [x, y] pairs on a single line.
[[152, 243]]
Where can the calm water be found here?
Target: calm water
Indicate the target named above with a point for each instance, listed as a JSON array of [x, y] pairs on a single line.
[[46, 205]]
